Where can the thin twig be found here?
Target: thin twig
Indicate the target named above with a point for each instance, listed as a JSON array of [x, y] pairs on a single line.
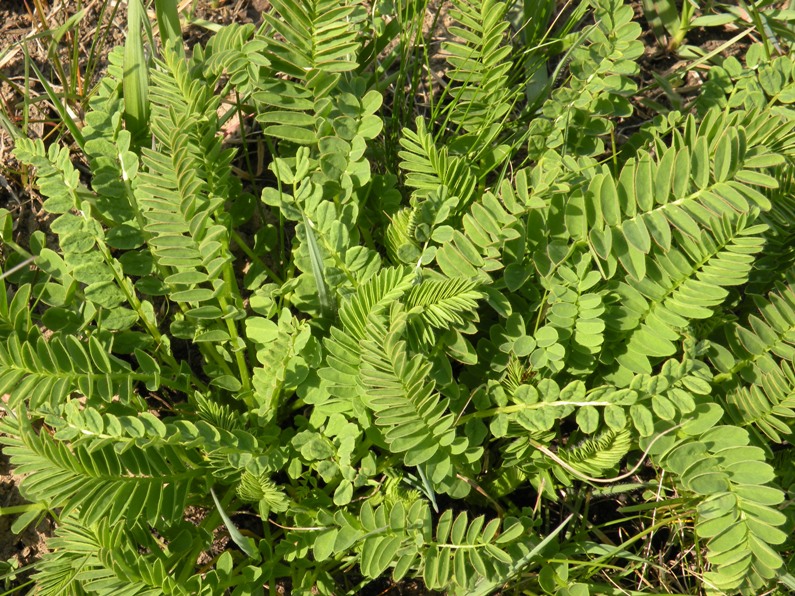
[[582, 476], [17, 267]]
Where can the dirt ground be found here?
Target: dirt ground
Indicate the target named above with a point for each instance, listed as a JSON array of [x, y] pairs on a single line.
[[26, 547]]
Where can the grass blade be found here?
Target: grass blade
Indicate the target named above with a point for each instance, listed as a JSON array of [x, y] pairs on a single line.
[[246, 544], [60, 107], [136, 82], [317, 269], [168, 25], [487, 586]]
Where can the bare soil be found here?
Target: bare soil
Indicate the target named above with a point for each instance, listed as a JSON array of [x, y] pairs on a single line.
[[26, 547]]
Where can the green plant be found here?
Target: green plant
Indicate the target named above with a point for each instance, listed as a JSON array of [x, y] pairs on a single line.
[[426, 367], [666, 20], [671, 24]]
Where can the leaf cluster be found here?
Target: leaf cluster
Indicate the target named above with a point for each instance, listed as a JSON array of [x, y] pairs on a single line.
[[419, 366]]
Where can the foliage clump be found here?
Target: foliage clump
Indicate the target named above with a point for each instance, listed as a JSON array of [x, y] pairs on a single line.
[[413, 346]]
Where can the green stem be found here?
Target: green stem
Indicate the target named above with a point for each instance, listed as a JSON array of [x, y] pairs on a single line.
[[536, 406], [135, 303], [126, 285], [16, 509], [684, 26], [254, 258], [238, 346], [17, 249]]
